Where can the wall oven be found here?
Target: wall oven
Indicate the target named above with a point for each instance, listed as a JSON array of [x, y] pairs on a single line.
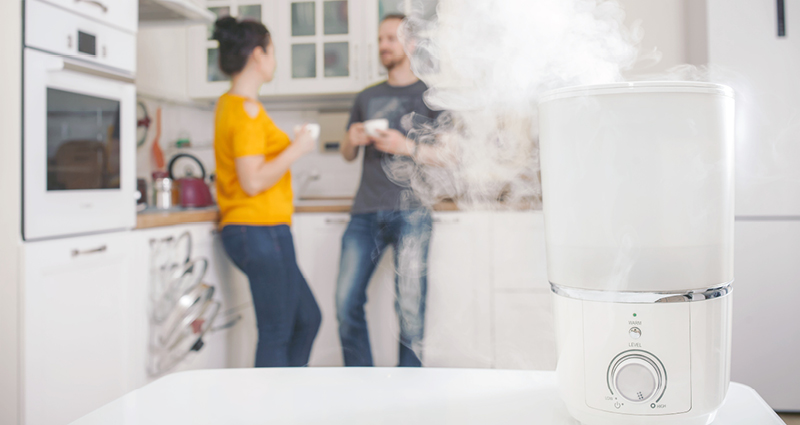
[[79, 125]]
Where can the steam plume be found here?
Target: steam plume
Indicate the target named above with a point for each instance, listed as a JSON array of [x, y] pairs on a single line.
[[486, 64]]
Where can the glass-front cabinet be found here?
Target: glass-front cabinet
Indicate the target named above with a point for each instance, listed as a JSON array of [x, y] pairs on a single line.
[[206, 80], [320, 46]]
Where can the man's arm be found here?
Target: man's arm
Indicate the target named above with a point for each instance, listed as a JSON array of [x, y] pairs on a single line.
[[393, 142]]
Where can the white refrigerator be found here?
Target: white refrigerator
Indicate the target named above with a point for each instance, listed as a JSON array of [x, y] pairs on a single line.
[[755, 45]]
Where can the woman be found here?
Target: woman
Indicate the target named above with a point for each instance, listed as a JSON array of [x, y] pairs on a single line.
[[254, 192]]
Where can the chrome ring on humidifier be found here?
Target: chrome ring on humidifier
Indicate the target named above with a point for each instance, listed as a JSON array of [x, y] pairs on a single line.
[[642, 297]]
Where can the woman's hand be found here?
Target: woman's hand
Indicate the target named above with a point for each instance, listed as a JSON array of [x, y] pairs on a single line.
[[304, 142]]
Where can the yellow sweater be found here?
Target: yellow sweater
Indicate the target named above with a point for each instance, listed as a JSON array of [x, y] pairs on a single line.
[[236, 134]]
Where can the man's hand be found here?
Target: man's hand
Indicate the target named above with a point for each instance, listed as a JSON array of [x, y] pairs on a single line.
[[393, 142], [357, 135]]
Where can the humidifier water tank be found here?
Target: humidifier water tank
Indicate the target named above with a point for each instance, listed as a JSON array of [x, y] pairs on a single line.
[[637, 182]]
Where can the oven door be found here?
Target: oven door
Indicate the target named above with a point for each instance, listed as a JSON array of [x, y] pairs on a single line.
[[79, 150]]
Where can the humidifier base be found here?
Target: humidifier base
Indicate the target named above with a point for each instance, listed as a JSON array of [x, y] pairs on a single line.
[[645, 358]]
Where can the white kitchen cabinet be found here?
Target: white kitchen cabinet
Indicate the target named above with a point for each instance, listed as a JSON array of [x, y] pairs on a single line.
[[77, 325], [161, 62], [523, 312], [766, 336], [524, 333], [319, 46], [458, 315], [204, 78], [318, 244], [518, 251], [482, 309], [123, 14]]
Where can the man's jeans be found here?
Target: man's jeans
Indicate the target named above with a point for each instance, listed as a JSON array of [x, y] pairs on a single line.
[[286, 313], [363, 244]]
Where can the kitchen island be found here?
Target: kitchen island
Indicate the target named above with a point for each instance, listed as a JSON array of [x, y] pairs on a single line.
[[352, 396]]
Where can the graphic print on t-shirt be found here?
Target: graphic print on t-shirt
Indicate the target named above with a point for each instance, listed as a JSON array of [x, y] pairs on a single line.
[[392, 108]]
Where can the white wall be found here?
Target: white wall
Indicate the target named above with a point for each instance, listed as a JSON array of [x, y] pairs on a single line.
[[10, 182], [665, 28]]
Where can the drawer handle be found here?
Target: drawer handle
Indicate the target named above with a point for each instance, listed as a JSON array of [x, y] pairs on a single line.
[[337, 221], [76, 252], [102, 7], [446, 221]]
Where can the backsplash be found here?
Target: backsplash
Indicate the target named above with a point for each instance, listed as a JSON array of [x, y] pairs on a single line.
[[321, 174]]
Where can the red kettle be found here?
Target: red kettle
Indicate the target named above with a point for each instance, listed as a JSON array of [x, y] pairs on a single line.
[[193, 192]]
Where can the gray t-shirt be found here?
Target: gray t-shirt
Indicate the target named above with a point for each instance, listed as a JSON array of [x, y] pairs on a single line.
[[378, 190]]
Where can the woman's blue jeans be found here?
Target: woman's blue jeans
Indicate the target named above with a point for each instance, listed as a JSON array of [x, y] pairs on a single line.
[[287, 315], [363, 244]]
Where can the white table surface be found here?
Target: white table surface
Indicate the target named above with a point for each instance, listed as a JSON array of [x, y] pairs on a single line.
[[368, 396]]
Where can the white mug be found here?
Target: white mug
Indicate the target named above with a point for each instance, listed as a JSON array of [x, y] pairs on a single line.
[[313, 128], [372, 126]]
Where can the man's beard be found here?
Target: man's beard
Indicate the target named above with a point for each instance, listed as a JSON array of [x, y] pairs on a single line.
[[392, 62]]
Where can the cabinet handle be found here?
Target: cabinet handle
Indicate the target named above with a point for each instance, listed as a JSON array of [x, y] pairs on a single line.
[[162, 240], [77, 252], [102, 7], [448, 221], [781, 19], [337, 221]]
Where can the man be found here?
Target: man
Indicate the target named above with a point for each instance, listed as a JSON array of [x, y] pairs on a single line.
[[386, 212]]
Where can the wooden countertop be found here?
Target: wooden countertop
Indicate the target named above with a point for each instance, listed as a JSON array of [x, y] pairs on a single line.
[[151, 218]]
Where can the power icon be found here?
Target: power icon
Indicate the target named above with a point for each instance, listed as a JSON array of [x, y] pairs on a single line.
[[617, 405]]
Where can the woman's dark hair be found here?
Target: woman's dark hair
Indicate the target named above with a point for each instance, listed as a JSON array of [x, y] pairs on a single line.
[[237, 39]]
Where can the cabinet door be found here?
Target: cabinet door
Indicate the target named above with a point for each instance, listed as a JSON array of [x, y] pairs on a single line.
[[518, 251], [318, 242], [765, 313], [762, 66], [123, 14], [523, 329], [161, 57], [76, 326], [235, 346], [319, 47], [458, 315], [205, 79]]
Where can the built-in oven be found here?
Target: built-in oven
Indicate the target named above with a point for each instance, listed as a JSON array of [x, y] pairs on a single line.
[[79, 103]]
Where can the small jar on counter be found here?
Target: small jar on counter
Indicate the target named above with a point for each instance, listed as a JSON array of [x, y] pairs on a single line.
[[162, 190]]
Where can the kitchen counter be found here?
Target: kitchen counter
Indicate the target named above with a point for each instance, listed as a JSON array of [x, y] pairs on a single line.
[[351, 396], [152, 217]]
